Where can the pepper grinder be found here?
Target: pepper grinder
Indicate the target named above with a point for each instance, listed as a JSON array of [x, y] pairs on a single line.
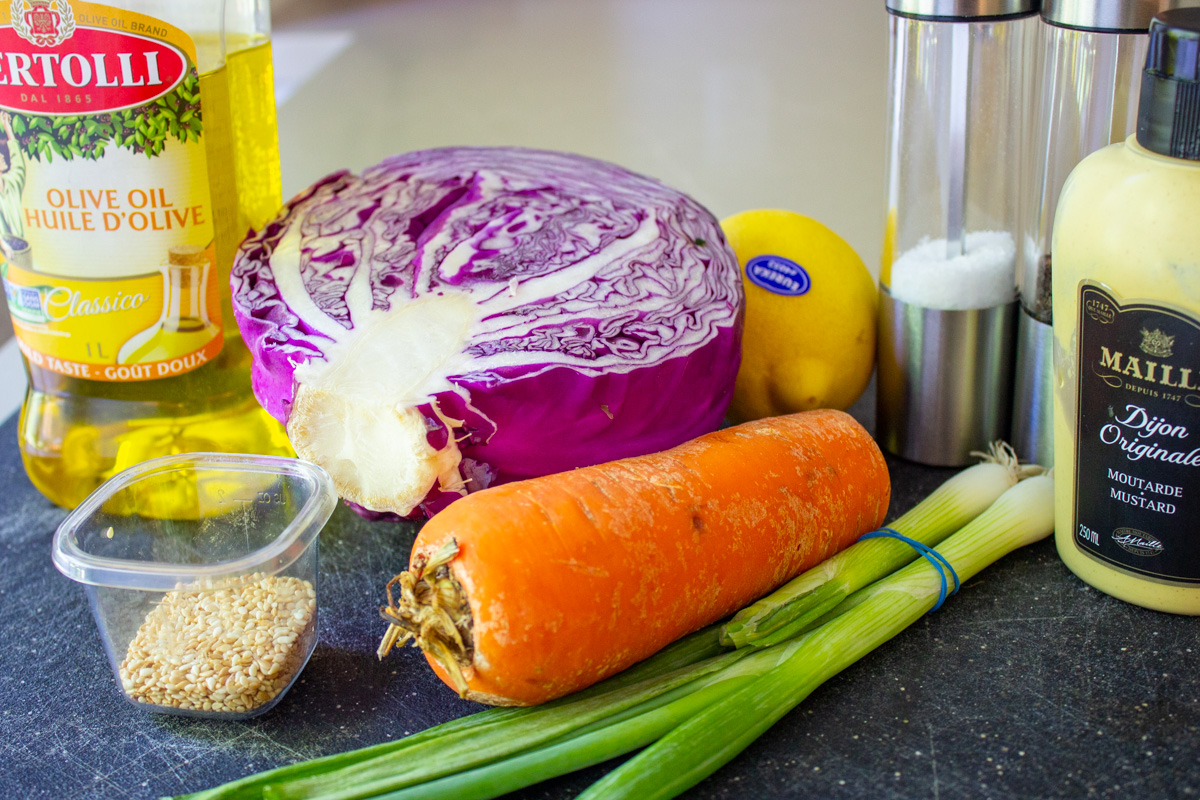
[[1093, 53], [958, 135]]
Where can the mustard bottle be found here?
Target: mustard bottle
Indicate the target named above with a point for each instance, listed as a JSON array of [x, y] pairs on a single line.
[[1126, 288], [139, 146]]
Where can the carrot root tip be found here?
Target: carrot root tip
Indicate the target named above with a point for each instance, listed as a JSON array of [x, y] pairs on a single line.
[[432, 610]]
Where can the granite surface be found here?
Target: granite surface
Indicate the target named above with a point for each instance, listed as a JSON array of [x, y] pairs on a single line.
[[1026, 684]]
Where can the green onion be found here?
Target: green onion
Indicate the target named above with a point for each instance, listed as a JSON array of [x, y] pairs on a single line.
[[600, 741], [793, 607], [478, 739], [693, 706], [701, 745], [463, 750], [662, 666]]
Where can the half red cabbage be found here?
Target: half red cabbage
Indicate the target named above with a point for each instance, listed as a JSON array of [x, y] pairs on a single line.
[[464, 316]]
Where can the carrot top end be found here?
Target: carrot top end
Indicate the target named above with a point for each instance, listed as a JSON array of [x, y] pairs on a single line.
[[433, 612]]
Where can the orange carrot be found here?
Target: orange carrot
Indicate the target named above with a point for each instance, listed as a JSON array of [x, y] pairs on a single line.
[[525, 592]]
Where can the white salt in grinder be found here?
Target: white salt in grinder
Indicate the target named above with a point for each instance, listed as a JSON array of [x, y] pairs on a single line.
[[960, 82], [1093, 52]]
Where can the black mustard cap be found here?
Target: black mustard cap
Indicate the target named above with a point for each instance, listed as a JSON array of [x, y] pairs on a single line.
[[1169, 109]]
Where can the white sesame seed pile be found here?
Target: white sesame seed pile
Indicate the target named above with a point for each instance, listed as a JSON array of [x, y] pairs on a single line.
[[225, 650]]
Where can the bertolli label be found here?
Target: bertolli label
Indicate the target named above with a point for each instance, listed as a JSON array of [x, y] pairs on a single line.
[[106, 222], [57, 62]]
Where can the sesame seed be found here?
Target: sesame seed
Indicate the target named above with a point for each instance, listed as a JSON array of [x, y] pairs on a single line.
[[224, 650]]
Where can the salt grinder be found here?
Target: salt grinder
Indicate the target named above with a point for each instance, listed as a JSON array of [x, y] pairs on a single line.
[[1092, 59], [958, 134]]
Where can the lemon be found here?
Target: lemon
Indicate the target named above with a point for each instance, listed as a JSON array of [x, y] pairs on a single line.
[[809, 339]]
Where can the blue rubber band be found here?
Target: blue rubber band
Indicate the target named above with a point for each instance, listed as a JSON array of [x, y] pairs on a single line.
[[932, 556]]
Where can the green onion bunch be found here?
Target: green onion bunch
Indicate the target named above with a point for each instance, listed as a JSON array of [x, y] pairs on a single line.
[[699, 702]]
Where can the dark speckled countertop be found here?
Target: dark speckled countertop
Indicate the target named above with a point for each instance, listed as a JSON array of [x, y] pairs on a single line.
[[1026, 684]]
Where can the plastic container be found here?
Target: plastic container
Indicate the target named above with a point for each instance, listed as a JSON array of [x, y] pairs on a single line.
[[959, 86], [175, 587]]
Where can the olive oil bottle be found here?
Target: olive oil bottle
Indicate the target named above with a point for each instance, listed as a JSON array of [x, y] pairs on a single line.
[[139, 147]]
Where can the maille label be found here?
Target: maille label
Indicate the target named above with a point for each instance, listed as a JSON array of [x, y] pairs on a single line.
[[1137, 446], [106, 222]]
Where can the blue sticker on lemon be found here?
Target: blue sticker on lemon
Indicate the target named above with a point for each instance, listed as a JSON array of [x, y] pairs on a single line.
[[779, 275]]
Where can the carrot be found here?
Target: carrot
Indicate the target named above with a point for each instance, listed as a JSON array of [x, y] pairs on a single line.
[[528, 591]]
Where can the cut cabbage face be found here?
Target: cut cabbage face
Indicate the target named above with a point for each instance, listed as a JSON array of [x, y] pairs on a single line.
[[459, 317]]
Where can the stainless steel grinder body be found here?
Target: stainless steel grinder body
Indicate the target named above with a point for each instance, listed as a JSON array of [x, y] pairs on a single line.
[[958, 135]]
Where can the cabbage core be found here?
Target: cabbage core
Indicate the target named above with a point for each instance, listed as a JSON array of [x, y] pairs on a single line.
[[369, 395]]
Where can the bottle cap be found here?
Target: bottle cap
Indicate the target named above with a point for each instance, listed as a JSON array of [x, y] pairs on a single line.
[[1169, 111], [1112, 16], [949, 10]]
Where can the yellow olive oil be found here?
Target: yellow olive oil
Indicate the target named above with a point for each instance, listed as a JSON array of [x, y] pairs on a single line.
[[252, 91]]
